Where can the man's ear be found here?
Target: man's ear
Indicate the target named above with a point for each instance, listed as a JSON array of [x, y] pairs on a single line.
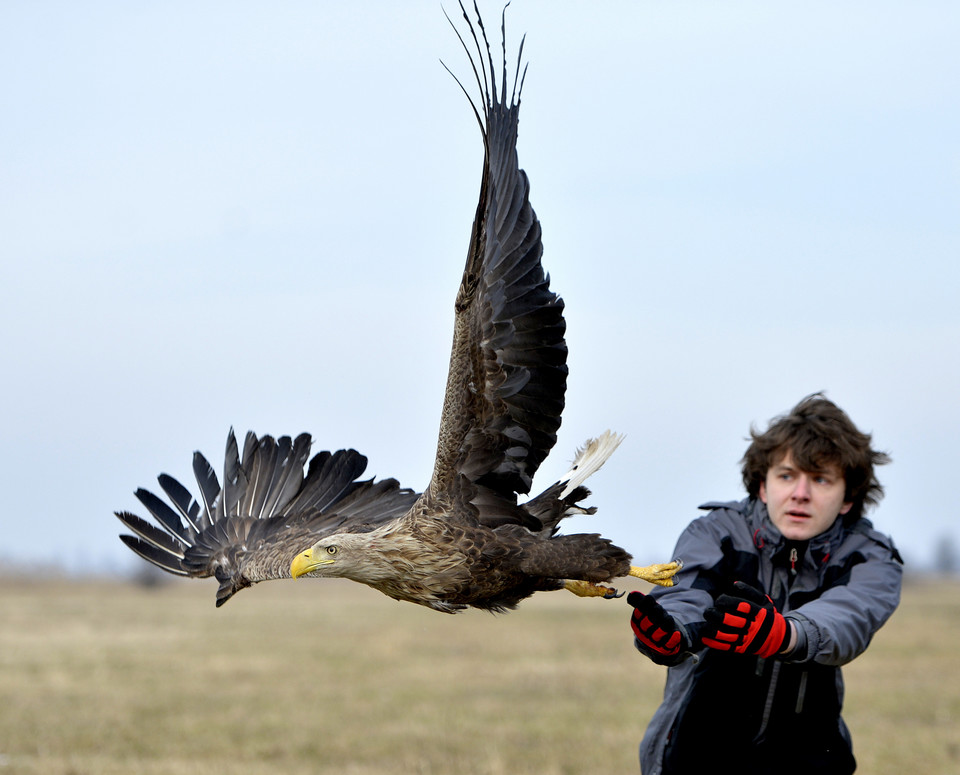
[[846, 508], [763, 495]]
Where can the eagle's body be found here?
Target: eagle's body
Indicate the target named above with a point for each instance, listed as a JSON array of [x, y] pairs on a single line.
[[465, 540], [428, 559]]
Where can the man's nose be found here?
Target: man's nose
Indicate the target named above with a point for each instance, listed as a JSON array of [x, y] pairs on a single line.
[[801, 490]]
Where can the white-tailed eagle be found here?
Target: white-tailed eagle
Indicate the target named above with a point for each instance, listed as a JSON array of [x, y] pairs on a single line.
[[465, 540]]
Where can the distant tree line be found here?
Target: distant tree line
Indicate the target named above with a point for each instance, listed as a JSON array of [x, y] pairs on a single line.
[[946, 559]]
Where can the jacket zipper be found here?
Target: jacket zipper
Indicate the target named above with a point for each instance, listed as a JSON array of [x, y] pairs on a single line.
[[775, 668]]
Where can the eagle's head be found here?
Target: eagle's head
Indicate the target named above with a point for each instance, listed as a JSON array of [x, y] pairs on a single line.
[[354, 556]]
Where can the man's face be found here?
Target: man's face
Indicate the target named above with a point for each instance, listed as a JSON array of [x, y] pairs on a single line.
[[803, 504]]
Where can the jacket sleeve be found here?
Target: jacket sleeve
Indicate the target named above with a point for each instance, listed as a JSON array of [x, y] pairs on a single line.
[[840, 624]]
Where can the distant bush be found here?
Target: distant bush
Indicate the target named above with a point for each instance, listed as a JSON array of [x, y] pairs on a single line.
[[945, 557], [150, 576]]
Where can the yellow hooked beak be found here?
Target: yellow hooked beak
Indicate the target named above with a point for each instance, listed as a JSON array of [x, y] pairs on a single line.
[[305, 562]]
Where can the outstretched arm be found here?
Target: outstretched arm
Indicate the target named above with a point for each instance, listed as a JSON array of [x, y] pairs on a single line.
[[838, 626]]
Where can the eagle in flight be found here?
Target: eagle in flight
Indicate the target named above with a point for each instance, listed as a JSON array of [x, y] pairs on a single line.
[[465, 540]]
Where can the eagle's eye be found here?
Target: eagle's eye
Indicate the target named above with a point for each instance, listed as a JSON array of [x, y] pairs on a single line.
[[332, 550]]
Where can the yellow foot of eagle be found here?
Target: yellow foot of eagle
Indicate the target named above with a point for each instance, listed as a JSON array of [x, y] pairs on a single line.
[[589, 589], [661, 574]]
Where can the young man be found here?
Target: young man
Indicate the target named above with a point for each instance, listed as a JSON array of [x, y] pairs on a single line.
[[776, 593]]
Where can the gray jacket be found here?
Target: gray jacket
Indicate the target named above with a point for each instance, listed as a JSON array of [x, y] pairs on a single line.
[[838, 589]]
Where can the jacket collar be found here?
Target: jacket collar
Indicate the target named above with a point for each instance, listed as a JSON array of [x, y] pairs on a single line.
[[768, 539]]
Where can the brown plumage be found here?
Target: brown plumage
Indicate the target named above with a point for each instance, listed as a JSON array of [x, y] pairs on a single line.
[[465, 541]]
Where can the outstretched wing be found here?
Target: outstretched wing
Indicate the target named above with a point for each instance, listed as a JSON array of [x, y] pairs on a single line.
[[507, 378], [267, 511]]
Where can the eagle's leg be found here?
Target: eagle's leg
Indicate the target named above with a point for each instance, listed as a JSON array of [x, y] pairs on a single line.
[[660, 574], [589, 589]]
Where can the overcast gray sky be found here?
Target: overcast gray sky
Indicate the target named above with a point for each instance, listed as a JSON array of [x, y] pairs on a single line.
[[255, 215]]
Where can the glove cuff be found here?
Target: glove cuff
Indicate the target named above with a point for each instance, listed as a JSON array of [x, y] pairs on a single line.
[[799, 651]]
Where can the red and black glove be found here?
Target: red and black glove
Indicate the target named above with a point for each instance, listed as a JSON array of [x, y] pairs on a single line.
[[657, 633], [745, 623]]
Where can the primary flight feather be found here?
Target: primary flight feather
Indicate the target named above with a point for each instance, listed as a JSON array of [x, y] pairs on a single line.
[[465, 540]]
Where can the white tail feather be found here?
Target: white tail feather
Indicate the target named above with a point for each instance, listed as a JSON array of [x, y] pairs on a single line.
[[589, 458]]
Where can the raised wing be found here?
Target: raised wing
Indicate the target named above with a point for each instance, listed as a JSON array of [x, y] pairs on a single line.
[[507, 378], [267, 511]]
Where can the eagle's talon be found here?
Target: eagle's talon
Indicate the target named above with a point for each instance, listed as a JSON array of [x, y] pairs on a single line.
[[589, 589], [660, 574]]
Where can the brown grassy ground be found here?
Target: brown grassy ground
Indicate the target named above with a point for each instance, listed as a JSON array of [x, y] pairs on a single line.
[[323, 677]]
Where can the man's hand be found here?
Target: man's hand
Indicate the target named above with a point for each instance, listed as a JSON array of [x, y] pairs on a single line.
[[656, 631], [745, 623]]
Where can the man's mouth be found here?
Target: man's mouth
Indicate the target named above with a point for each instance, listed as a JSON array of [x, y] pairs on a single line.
[[798, 514]]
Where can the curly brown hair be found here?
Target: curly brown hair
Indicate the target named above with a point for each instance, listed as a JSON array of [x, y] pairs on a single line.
[[820, 435]]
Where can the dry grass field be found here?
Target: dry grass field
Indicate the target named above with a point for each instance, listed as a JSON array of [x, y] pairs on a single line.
[[323, 677]]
